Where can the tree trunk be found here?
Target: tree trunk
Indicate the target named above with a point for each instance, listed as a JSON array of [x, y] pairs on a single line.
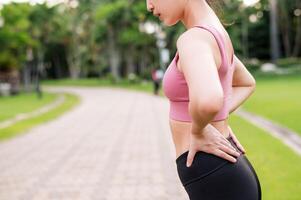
[[72, 66], [130, 66], [245, 47], [143, 62], [73, 58], [57, 66], [114, 55], [26, 77], [296, 49], [275, 52], [73, 55], [285, 27]]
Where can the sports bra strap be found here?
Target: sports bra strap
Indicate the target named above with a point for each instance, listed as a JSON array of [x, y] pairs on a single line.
[[221, 44]]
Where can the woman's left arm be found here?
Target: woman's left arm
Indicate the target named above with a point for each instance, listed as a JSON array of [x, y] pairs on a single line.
[[239, 95], [243, 85]]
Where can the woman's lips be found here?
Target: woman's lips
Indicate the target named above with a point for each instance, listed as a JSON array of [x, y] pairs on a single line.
[[157, 14]]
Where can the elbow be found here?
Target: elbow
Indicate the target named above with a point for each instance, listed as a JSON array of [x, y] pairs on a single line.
[[253, 82], [211, 107], [208, 106], [253, 86]]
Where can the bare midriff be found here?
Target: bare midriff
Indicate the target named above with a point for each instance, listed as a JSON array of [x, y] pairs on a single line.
[[181, 130]]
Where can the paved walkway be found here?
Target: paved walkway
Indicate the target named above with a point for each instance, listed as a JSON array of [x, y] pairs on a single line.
[[116, 145]]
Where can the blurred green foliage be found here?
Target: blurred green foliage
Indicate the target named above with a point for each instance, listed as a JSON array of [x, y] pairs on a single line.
[[95, 37]]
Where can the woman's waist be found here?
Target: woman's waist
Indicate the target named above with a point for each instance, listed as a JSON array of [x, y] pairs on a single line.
[[183, 127], [181, 133]]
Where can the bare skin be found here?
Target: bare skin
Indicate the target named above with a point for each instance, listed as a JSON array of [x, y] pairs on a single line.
[[181, 130], [205, 91]]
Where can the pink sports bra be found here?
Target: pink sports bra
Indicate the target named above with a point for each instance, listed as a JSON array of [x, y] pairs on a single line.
[[176, 90]]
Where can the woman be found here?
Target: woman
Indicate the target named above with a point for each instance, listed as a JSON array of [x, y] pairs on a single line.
[[211, 162]]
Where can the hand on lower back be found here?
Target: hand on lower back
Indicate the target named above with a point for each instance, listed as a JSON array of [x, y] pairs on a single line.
[[236, 140], [210, 140]]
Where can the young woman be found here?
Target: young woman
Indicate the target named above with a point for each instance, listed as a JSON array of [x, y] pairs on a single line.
[[204, 83]]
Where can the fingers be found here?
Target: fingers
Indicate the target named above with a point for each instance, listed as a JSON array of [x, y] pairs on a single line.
[[222, 154], [228, 150], [235, 140], [190, 157], [239, 145], [227, 143]]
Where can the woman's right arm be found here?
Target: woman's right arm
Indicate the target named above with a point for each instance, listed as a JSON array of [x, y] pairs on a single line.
[[243, 85], [196, 51]]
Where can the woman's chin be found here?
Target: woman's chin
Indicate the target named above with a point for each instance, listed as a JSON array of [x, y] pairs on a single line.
[[167, 22]]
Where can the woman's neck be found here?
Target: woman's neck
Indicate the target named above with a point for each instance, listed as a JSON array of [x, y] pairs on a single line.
[[197, 12]]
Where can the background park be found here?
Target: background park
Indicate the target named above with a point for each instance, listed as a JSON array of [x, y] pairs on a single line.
[[78, 115]]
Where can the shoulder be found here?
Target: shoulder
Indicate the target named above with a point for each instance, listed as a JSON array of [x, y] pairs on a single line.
[[195, 38]]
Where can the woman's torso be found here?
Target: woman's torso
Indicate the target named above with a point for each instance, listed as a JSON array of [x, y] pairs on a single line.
[[180, 129]]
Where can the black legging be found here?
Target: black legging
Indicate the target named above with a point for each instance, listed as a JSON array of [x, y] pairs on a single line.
[[213, 178]]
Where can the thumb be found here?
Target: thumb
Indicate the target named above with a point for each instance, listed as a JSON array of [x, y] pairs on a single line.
[[238, 144], [190, 157]]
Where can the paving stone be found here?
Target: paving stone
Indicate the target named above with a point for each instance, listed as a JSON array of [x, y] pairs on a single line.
[[115, 145]]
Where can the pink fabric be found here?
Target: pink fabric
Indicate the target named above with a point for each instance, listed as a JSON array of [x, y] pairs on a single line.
[[176, 90]]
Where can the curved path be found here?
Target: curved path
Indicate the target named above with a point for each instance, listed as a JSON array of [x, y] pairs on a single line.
[[115, 145]]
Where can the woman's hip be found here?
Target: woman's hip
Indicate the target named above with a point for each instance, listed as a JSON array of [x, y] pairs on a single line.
[[211, 177]]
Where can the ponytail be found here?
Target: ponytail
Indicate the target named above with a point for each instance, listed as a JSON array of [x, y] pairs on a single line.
[[217, 6]]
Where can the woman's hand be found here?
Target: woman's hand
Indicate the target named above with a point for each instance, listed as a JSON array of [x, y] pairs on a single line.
[[235, 140], [210, 141]]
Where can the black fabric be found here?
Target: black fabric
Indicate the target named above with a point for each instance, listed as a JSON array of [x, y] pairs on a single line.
[[213, 178]]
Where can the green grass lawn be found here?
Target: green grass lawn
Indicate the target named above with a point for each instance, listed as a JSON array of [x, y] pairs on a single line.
[[22, 126], [278, 99], [277, 166], [10, 106]]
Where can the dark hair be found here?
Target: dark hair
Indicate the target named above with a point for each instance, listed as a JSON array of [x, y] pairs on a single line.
[[217, 6]]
